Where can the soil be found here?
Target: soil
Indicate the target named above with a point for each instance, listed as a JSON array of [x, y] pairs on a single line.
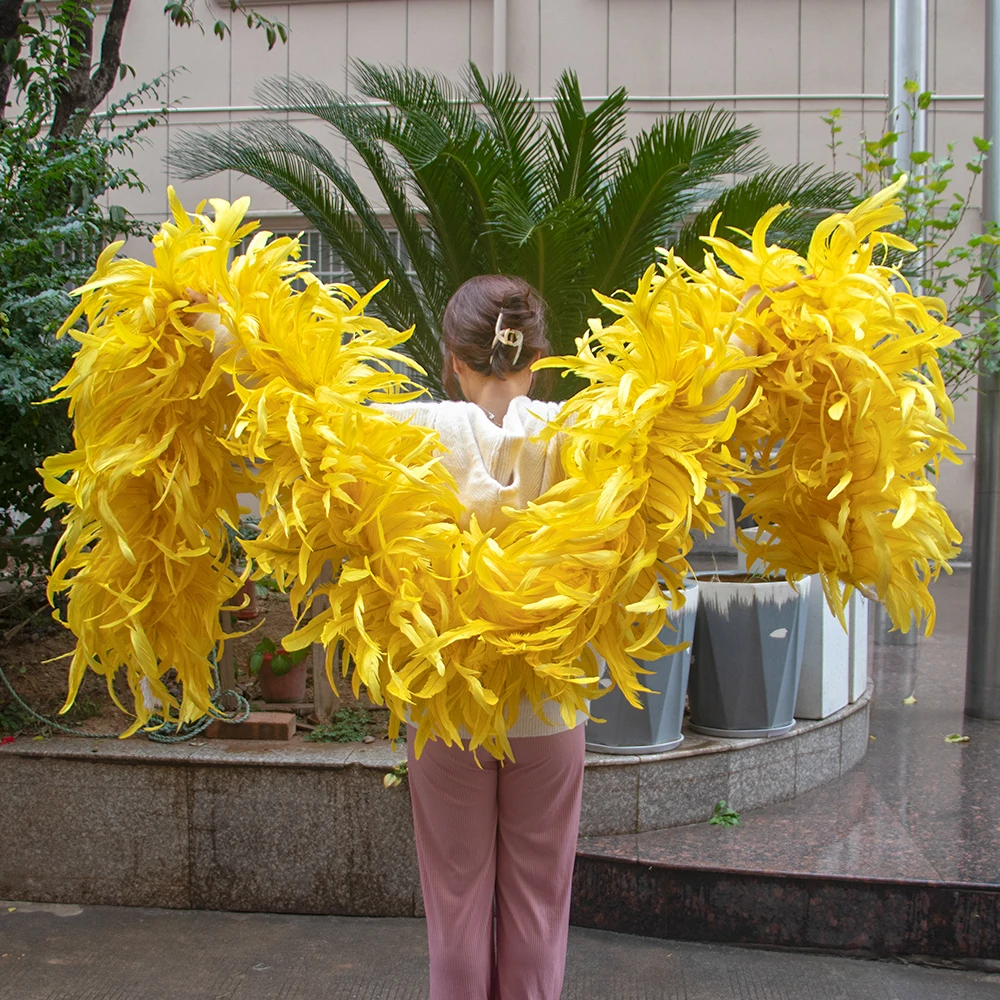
[[33, 647]]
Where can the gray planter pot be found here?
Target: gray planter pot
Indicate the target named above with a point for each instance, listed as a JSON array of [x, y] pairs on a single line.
[[748, 646], [657, 725]]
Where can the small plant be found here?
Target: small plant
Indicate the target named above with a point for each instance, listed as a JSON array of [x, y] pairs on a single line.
[[349, 725], [395, 776], [960, 269], [722, 815], [14, 720], [268, 583], [281, 660], [246, 531]]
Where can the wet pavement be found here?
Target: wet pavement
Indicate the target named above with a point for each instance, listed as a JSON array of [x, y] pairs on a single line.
[[917, 807]]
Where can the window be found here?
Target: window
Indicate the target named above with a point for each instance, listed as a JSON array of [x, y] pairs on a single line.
[[327, 266]]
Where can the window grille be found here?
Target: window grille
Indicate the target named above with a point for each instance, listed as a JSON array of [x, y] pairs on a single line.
[[327, 266]]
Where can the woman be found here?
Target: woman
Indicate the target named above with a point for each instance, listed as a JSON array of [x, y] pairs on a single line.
[[496, 842]]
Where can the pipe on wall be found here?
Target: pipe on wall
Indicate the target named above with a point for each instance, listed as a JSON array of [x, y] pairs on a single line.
[[499, 36], [831, 99]]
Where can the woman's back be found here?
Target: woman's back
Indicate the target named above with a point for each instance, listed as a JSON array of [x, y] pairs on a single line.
[[493, 466]]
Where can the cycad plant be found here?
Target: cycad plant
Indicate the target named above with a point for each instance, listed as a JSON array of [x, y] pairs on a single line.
[[476, 180]]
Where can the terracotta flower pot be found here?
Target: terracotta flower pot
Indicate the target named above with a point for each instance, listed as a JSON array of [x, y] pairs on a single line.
[[283, 689], [249, 589]]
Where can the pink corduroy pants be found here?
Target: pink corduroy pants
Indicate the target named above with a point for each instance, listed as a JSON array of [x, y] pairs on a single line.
[[496, 846]]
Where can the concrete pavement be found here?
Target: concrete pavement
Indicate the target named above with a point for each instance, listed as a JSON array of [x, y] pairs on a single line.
[[62, 952]]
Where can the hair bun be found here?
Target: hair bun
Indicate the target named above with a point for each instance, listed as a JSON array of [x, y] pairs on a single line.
[[495, 324]]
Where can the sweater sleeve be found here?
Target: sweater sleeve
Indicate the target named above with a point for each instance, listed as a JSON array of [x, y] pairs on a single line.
[[419, 413]]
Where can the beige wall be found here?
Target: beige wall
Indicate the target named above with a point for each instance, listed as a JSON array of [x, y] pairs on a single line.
[[779, 64]]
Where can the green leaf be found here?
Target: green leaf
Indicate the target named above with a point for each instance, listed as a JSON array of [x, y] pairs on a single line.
[[920, 157], [983, 145], [281, 664], [924, 100], [722, 815], [956, 738], [911, 86], [582, 146]]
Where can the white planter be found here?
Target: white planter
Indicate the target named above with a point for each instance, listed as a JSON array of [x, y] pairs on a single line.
[[824, 684], [857, 629]]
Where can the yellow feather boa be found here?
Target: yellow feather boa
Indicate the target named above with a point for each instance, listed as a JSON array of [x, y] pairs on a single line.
[[454, 625], [853, 417]]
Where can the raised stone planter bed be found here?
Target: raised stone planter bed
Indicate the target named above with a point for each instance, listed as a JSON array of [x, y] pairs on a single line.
[[635, 794], [309, 828]]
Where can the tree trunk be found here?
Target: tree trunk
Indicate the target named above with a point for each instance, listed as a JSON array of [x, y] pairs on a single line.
[[83, 89], [10, 20]]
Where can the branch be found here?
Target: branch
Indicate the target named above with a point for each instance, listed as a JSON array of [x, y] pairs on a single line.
[[104, 76], [10, 21], [83, 91]]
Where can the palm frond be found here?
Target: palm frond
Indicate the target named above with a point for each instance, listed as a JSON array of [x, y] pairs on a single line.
[[811, 193], [582, 146], [512, 124], [361, 127], [427, 96], [657, 182], [450, 160]]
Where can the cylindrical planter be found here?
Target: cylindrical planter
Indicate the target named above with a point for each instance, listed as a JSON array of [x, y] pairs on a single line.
[[657, 725], [283, 689], [882, 629], [748, 645]]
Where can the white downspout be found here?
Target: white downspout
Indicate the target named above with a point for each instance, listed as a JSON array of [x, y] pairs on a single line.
[[499, 37]]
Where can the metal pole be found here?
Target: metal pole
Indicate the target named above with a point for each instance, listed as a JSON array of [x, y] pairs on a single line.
[[907, 61], [982, 666]]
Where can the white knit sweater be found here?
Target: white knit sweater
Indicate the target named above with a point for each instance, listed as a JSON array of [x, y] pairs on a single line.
[[496, 467]]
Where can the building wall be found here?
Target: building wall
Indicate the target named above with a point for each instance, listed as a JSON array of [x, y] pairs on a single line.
[[779, 64]]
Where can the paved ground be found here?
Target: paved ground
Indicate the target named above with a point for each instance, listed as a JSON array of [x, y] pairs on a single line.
[[55, 952]]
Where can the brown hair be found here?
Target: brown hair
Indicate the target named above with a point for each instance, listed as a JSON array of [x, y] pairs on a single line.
[[469, 326]]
